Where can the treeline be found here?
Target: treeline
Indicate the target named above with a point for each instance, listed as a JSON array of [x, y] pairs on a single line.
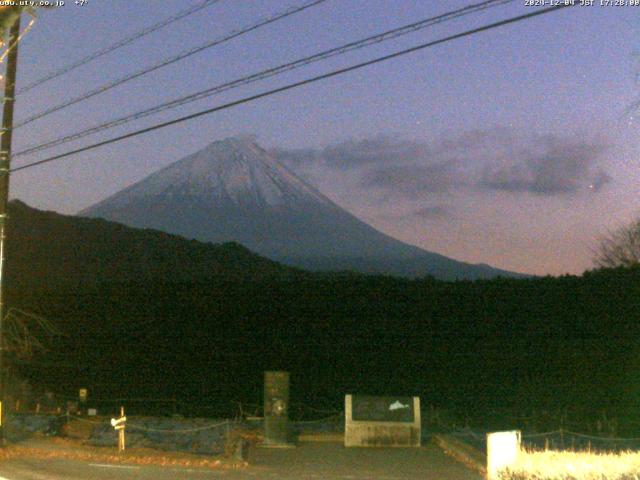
[[485, 349]]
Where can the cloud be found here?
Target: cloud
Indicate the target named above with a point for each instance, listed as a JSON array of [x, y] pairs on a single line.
[[354, 154], [498, 159], [381, 150], [432, 212], [429, 212], [412, 179], [298, 158], [600, 179], [552, 166]]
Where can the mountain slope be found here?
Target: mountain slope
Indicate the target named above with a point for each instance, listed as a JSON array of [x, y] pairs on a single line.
[[233, 190], [48, 248]]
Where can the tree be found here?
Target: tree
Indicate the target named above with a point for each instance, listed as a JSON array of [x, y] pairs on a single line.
[[26, 333], [620, 248]]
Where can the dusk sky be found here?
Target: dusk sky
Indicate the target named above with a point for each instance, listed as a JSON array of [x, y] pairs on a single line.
[[515, 147]]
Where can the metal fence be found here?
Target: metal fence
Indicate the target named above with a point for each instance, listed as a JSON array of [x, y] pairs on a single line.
[[560, 439]]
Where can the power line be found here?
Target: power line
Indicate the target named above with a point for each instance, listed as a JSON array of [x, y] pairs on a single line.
[[296, 85], [121, 43], [374, 39], [169, 61]]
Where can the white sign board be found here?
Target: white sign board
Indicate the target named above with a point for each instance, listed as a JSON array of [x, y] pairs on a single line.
[[502, 451]]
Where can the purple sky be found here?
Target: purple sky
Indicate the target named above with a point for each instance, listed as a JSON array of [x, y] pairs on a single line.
[[511, 147]]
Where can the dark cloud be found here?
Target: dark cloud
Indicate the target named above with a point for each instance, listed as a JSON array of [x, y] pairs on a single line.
[[378, 151], [474, 140], [298, 158], [600, 179], [411, 180], [429, 212], [496, 159], [553, 166], [354, 154]]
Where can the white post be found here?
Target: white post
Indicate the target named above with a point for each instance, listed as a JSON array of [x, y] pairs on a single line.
[[502, 451], [121, 444], [119, 425]]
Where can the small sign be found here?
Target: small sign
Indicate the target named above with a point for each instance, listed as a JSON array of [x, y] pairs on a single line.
[[82, 394], [381, 421], [118, 423], [92, 412]]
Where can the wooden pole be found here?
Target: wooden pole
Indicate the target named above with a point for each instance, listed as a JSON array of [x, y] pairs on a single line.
[[121, 444], [5, 159]]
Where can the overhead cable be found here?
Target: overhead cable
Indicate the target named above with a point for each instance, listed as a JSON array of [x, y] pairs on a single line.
[[291, 86]]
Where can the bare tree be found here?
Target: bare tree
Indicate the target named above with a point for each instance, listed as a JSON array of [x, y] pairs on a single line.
[[620, 248], [26, 333]]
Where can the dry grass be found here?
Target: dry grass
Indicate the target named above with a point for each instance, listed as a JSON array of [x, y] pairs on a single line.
[[563, 465], [68, 449]]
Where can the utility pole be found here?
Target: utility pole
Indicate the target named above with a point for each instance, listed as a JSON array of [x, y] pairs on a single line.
[[5, 165]]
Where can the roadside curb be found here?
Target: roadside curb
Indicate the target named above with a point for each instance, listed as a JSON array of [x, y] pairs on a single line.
[[465, 454], [321, 437]]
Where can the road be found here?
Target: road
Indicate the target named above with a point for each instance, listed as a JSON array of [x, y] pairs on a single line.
[[328, 461]]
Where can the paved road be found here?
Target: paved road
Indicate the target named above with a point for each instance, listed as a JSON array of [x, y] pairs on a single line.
[[309, 461]]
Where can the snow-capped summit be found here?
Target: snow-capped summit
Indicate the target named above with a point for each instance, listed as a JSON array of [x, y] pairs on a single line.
[[233, 190], [230, 170], [242, 171]]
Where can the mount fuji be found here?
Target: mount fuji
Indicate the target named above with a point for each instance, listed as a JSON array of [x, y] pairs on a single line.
[[233, 190]]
